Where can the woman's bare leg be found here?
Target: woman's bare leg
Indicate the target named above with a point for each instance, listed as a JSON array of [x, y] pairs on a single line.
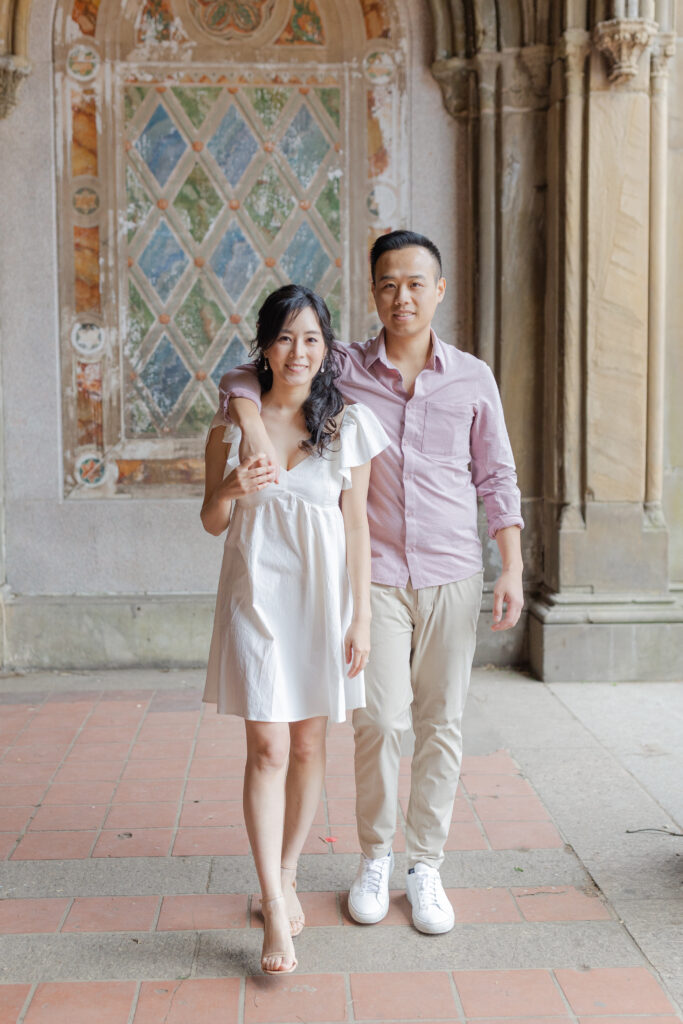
[[303, 787], [264, 809]]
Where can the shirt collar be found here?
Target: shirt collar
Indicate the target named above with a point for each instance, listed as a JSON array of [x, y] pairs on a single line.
[[377, 351]]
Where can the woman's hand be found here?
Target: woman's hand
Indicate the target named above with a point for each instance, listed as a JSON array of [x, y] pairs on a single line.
[[357, 645], [253, 474]]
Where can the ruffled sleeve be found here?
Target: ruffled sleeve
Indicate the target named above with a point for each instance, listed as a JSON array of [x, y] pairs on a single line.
[[361, 437], [231, 435]]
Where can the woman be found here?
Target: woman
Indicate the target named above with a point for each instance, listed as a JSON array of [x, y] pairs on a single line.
[[294, 594]]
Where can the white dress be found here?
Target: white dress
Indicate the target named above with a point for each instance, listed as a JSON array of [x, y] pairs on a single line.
[[284, 600]]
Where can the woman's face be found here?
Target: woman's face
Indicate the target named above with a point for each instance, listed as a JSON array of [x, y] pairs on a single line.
[[297, 353]]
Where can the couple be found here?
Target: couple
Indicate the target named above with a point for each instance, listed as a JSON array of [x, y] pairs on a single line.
[[295, 592]]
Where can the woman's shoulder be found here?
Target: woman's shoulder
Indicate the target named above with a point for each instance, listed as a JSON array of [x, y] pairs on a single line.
[[358, 416]]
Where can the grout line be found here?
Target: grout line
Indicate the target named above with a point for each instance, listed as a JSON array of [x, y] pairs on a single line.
[[134, 1004], [350, 1015], [572, 1016], [155, 920], [29, 998], [456, 995], [71, 901], [242, 998]]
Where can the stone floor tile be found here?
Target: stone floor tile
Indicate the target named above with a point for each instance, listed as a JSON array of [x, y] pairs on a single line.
[[54, 846], [112, 914], [202, 912], [148, 791], [212, 813], [24, 917], [79, 792], [509, 808], [161, 750], [98, 771], [104, 734], [98, 751], [217, 768], [192, 1001], [508, 993], [343, 786], [21, 774], [36, 753], [403, 996], [465, 836], [338, 764], [486, 906], [622, 990], [316, 839], [12, 999], [213, 789], [139, 842], [215, 746], [14, 796], [161, 768], [68, 817], [141, 815], [320, 910], [498, 763], [341, 811], [7, 843], [73, 1002], [295, 997], [494, 784], [211, 842], [560, 903], [646, 1019], [531, 1019], [15, 819], [523, 835]]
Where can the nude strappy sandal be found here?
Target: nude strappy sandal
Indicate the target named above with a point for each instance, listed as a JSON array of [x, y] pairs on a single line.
[[296, 924], [276, 953]]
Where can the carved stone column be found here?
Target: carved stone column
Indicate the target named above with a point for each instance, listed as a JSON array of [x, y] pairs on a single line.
[[606, 611]]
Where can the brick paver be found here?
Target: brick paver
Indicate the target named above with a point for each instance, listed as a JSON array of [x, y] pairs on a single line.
[[151, 778]]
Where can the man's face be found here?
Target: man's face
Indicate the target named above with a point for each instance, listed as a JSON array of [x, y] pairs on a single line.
[[407, 290]]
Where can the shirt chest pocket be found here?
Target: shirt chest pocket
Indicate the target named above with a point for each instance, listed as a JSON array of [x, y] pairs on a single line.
[[447, 429]]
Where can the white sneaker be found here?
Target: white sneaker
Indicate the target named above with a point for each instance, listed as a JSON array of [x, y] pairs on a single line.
[[369, 894], [432, 911]]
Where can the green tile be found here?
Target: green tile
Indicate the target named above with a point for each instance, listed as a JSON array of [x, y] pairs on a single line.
[[196, 101], [328, 206], [268, 102], [331, 100], [333, 300], [140, 319], [198, 418], [270, 202], [138, 202], [133, 96], [199, 319], [198, 203], [139, 421]]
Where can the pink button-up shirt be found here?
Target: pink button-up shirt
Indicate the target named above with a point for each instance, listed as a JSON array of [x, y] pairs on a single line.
[[448, 445]]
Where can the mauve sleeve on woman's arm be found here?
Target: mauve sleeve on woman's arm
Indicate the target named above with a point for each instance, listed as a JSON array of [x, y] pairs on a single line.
[[241, 382]]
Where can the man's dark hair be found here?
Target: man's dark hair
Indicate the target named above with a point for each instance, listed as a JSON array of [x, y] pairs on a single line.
[[402, 240]]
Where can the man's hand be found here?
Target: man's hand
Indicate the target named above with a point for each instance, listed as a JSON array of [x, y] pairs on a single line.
[[255, 441], [507, 591]]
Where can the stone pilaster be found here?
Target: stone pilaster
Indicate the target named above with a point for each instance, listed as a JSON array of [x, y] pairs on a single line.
[[12, 72]]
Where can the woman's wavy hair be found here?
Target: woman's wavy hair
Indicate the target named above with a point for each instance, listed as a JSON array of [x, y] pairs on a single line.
[[324, 401]]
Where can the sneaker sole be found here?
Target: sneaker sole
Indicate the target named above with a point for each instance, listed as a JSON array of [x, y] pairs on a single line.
[[434, 929], [366, 918]]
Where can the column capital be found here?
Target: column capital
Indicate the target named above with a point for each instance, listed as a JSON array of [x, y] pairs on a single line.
[[622, 42], [12, 71]]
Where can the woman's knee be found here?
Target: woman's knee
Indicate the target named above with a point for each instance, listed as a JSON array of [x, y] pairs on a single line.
[[266, 752], [307, 742]]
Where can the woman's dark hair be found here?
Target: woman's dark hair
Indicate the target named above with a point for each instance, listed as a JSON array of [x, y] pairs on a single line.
[[325, 400]]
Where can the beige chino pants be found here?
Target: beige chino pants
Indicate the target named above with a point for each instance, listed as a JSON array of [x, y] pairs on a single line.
[[422, 649]]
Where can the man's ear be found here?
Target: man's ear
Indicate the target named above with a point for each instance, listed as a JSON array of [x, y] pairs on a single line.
[[441, 288]]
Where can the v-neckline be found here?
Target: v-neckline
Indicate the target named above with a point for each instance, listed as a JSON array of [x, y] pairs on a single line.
[[297, 464]]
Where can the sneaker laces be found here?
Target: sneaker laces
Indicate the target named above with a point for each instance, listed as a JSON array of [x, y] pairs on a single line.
[[373, 873], [427, 888]]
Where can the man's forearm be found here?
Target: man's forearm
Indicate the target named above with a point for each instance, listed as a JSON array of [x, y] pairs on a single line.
[[509, 540]]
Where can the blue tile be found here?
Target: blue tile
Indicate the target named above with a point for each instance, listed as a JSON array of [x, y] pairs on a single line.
[[163, 261], [165, 376], [233, 146], [304, 146], [304, 260], [234, 355], [234, 262], [161, 145]]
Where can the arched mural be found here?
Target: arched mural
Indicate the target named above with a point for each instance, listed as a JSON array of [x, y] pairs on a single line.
[[209, 152]]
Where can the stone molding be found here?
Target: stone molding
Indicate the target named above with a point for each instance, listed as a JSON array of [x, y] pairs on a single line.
[[13, 70], [622, 42]]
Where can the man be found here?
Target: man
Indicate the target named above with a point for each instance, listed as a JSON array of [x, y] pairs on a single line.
[[442, 411]]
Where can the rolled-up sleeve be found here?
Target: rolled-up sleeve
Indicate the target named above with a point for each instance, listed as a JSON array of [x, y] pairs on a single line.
[[493, 465], [241, 382]]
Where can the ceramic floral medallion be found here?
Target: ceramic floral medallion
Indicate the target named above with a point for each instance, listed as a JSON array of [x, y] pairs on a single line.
[[231, 19]]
